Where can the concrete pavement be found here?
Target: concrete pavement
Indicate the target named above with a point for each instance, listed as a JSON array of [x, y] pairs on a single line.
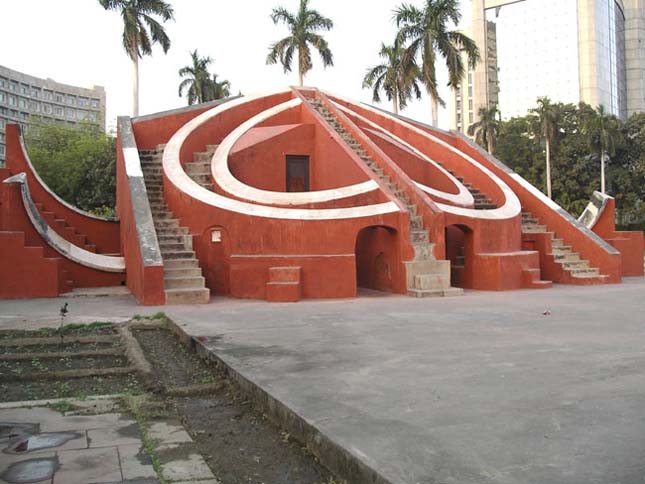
[[505, 388], [516, 387]]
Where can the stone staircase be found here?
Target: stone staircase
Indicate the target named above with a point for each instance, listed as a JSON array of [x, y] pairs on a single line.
[[482, 202], [183, 280], [426, 277], [69, 233], [574, 269], [199, 170]]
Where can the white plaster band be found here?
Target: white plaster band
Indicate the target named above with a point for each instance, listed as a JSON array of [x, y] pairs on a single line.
[[178, 177], [225, 179], [511, 207]]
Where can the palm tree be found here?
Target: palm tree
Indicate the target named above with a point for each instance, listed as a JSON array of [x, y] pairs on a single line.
[[396, 79], [487, 128], [426, 33], [219, 89], [198, 83], [141, 31], [602, 131], [544, 127], [302, 34]]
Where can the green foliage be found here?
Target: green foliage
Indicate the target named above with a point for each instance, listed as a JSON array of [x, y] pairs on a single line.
[[398, 80], [77, 162], [62, 406], [425, 34], [199, 85], [575, 158], [302, 35]]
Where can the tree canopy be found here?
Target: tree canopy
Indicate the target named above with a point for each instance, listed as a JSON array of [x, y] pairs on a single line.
[[77, 162], [576, 170], [303, 27]]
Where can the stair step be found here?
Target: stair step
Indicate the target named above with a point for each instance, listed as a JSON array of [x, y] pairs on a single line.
[[419, 236], [177, 254], [173, 246], [174, 264], [181, 272], [448, 292], [188, 296], [194, 282]]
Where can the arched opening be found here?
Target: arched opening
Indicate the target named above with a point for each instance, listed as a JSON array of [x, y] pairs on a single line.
[[458, 249], [377, 258]]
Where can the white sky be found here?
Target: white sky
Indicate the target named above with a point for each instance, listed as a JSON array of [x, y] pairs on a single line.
[[77, 42]]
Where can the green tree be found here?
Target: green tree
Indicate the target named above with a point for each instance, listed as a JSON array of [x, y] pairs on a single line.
[[219, 89], [141, 30], [486, 129], [302, 34], [602, 131], [198, 84], [544, 127], [397, 80], [77, 162], [426, 33]]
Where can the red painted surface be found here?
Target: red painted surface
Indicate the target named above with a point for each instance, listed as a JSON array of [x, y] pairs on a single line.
[[286, 259], [631, 245], [102, 234], [31, 273], [145, 282], [71, 274]]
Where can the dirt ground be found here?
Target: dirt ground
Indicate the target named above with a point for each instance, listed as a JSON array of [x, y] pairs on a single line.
[[237, 441], [239, 444]]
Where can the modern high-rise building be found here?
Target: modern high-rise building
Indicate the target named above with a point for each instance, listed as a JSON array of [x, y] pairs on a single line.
[[569, 50], [23, 96]]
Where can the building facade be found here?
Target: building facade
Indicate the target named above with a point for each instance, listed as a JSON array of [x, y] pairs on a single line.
[[23, 96], [568, 50]]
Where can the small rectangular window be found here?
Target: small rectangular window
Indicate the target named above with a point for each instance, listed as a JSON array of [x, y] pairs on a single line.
[[71, 100], [59, 98], [13, 101]]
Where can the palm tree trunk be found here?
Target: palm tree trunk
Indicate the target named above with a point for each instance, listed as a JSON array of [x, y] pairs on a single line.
[[548, 168], [602, 172], [395, 102], [300, 76], [135, 63], [435, 110]]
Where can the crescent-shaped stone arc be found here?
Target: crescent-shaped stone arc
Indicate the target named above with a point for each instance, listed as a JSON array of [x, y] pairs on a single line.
[[511, 207], [227, 181], [105, 263], [464, 198], [176, 175]]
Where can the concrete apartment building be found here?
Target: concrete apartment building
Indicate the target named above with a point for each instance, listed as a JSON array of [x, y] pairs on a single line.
[[22, 96], [568, 50]]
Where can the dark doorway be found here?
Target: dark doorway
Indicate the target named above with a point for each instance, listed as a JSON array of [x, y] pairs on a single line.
[[297, 173]]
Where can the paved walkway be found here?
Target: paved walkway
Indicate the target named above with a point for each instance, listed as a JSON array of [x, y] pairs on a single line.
[[41, 445], [517, 387]]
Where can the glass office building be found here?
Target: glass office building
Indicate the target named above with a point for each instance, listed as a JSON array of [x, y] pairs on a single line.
[[567, 50]]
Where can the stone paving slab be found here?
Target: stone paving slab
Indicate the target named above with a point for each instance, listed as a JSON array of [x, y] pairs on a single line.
[[89, 466], [486, 389], [109, 437], [168, 432], [108, 449], [135, 463], [180, 463]]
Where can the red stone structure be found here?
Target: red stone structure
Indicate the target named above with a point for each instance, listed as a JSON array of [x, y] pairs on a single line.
[[300, 194]]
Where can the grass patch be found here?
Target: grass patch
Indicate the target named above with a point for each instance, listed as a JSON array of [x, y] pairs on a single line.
[[62, 406]]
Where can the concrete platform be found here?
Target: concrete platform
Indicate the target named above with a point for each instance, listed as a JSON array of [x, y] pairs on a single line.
[[483, 389]]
